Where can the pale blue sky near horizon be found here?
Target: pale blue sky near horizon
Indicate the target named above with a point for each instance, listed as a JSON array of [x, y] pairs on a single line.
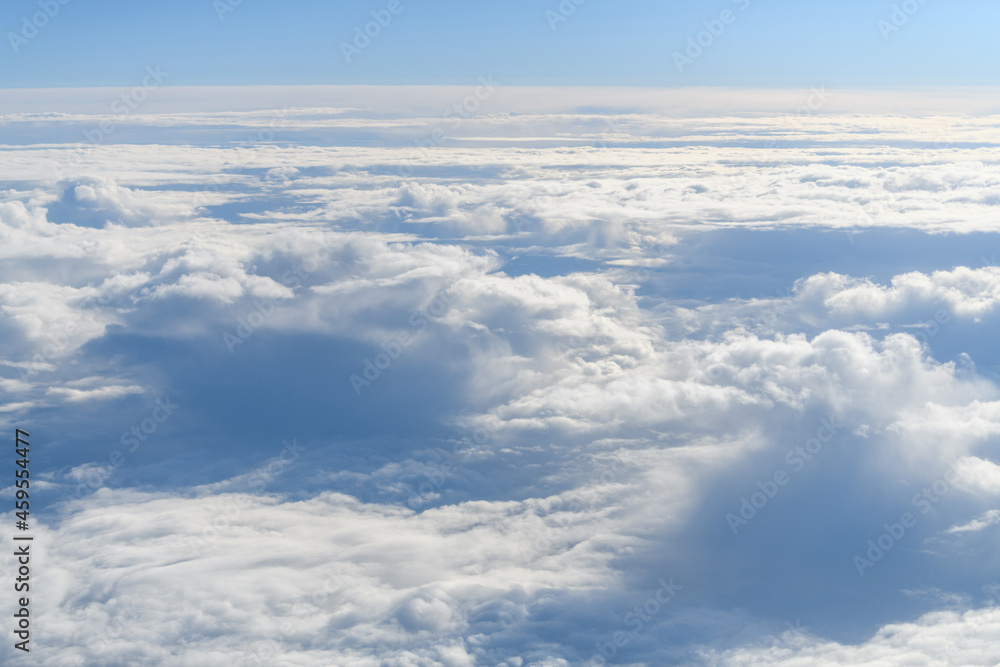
[[765, 44]]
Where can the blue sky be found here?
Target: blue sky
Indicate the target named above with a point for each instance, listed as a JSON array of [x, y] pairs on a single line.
[[782, 43]]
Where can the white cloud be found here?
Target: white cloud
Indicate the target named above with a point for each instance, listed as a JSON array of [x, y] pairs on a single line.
[[938, 638], [111, 391], [279, 574], [625, 413], [981, 522]]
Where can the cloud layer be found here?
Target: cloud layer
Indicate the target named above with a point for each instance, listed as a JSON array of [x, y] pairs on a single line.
[[565, 387]]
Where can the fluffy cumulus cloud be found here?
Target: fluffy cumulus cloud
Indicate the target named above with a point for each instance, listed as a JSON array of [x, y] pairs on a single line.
[[317, 386], [945, 637]]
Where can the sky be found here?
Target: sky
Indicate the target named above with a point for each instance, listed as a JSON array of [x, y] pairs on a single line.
[[782, 43], [455, 355]]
